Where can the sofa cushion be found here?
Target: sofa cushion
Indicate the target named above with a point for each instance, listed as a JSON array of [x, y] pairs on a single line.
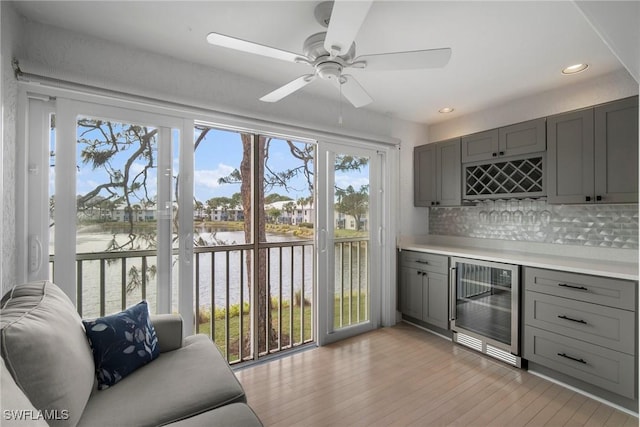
[[168, 329], [121, 343], [178, 384], [233, 415], [16, 408], [44, 347]]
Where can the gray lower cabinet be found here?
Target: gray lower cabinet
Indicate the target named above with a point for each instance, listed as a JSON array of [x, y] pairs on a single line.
[[423, 287], [582, 326], [437, 174], [592, 154], [517, 139]]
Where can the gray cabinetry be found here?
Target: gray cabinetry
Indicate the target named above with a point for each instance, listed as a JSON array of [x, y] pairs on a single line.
[[582, 326], [593, 154], [480, 146], [424, 175], [520, 138], [423, 287], [616, 151], [437, 174]]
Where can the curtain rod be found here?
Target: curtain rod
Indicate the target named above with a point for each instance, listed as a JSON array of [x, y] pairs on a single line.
[[61, 84]]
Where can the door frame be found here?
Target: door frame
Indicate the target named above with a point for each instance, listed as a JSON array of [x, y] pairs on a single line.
[[378, 270]]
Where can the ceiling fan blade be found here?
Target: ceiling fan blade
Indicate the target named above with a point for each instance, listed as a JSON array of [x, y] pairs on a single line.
[[251, 47], [414, 60], [352, 90], [289, 88], [346, 19]]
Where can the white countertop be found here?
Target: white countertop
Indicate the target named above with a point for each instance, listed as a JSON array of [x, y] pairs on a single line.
[[615, 263]]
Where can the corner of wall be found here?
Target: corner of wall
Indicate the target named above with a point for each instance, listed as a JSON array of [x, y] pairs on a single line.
[[411, 219]]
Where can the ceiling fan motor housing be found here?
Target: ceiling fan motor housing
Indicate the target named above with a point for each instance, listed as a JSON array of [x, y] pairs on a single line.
[[313, 49], [329, 70]]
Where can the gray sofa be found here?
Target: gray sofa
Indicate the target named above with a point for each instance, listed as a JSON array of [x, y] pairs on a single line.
[[48, 374]]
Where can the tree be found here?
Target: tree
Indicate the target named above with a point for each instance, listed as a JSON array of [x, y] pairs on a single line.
[[275, 197], [353, 203], [274, 214], [289, 208], [198, 207]]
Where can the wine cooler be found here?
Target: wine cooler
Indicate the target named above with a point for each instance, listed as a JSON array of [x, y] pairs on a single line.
[[484, 298]]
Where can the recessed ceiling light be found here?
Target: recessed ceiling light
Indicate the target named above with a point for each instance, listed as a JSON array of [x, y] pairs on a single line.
[[445, 110], [576, 68]]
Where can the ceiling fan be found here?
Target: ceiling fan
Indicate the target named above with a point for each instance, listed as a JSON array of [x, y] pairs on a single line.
[[333, 51]]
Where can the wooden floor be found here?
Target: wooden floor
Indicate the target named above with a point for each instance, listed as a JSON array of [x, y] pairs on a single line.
[[403, 376]]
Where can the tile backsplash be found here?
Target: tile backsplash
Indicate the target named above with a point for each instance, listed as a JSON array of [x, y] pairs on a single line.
[[612, 226]]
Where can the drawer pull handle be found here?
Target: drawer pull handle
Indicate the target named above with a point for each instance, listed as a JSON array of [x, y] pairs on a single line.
[[419, 261], [562, 316], [572, 358], [581, 288]]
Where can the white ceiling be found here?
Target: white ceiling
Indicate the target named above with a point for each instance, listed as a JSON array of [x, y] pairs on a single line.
[[501, 50]]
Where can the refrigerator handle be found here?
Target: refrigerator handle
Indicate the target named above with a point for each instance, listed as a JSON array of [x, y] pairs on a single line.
[[452, 294]]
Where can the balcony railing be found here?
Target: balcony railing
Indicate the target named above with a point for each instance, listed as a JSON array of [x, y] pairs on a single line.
[[108, 282]]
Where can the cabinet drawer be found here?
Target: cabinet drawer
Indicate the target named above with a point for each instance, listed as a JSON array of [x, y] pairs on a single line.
[[608, 369], [425, 261], [605, 326], [598, 290]]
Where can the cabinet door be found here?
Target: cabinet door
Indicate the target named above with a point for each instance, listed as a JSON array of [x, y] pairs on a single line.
[[616, 151], [570, 157], [435, 304], [424, 175], [448, 173], [523, 138], [411, 292], [480, 146]]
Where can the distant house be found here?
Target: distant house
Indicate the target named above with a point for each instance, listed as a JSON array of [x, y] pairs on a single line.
[[122, 213], [292, 213], [227, 214]]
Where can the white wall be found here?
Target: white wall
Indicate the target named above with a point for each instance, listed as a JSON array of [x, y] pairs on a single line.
[[618, 25], [411, 220], [609, 87], [59, 53], [10, 25]]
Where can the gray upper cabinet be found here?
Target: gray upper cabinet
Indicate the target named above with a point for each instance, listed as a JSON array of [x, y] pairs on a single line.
[[570, 157], [592, 154], [616, 151], [437, 174], [523, 138], [480, 146], [520, 138], [424, 175]]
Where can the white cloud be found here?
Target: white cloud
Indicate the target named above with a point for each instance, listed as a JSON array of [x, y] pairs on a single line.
[[343, 181], [208, 178]]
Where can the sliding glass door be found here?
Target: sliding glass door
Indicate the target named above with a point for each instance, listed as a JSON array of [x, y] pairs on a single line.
[[349, 241]]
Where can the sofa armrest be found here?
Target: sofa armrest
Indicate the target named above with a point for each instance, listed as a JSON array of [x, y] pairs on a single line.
[[168, 330]]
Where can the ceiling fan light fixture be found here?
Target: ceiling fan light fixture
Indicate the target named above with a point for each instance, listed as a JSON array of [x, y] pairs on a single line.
[[446, 110], [575, 68]]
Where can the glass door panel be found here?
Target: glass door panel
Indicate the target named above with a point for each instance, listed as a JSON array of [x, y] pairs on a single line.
[[486, 300], [349, 223], [116, 214], [254, 237], [351, 237]]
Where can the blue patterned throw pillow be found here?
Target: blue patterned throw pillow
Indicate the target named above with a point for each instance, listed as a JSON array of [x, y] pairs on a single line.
[[121, 343]]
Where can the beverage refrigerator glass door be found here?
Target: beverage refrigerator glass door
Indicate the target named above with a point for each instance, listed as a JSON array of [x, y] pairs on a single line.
[[485, 307]]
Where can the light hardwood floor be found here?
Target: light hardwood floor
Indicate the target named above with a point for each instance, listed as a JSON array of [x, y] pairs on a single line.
[[403, 376]]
